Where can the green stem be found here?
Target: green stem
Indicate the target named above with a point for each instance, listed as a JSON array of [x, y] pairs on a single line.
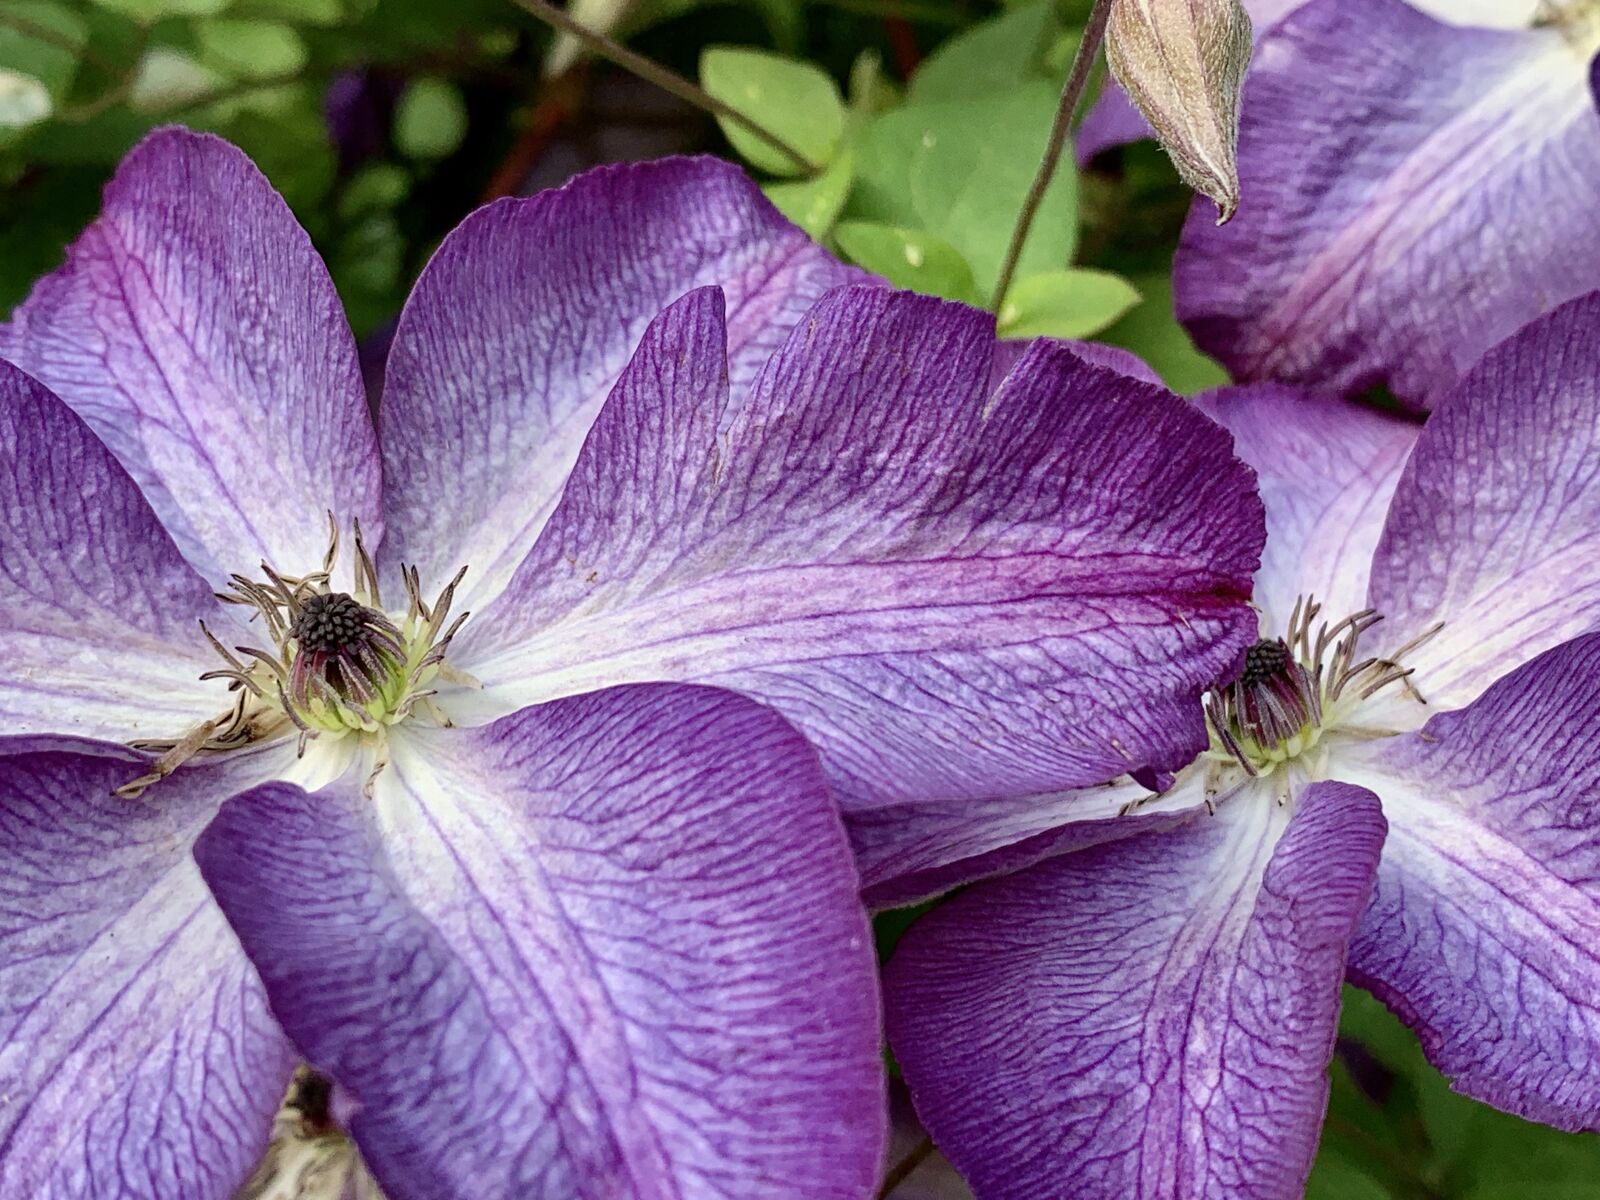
[[1094, 33]]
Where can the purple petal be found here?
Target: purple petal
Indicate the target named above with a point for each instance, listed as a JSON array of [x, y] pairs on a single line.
[[99, 633], [1007, 354], [1150, 1018], [608, 946], [1359, 254], [1484, 930], [519, 327], [1112, 122], [953, 598], [197, 331], [1495, 525], [1327, 470], [137, 1056]]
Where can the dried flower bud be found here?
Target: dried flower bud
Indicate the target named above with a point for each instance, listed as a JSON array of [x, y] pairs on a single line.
[[1183, 63]]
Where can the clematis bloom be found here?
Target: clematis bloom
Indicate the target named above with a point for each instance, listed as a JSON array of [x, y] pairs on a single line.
[[1416, 191], [1153, 1016], [558, 917]]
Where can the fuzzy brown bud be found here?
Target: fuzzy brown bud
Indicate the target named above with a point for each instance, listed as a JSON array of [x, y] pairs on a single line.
[[1183, 64]]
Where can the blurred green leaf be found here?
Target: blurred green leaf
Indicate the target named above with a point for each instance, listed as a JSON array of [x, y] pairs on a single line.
[[39, 53], [41, 216], [1152, 332], [814, 204], [961, 169], [167, 78], [990, 57], [909, 258], [151, 10], [1075, 303], [366, 265], [291, 147], [431, 119], [1394, 1121], [250, 49], [301, 12], [376, 187], [1339, 1177], [795, 101]]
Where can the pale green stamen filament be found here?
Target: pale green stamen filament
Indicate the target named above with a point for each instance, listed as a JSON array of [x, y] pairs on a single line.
[[336, 663]]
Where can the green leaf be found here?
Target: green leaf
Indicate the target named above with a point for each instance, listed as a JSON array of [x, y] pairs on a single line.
[[961, 169], [993, 56], [815, 204], [301, 12], [1152, 332], [250, 49], [167, 78], [430, 120], [909, 258], [1075, 303], [49, 62], [794, 101], [375, 188], [151, 10], [1338, 1177]]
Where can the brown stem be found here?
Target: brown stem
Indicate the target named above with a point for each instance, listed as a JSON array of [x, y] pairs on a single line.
[[1094, 33], [668, 81], [901, 1171], [561, 99]]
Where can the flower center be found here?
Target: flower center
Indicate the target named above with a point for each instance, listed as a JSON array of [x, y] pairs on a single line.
[[1578, 20], [1297, 689], [335, 663]]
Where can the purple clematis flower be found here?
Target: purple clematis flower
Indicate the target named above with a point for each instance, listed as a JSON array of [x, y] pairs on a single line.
[[1153, 1017], [562, 920], [1378, 148], [1114, 121]]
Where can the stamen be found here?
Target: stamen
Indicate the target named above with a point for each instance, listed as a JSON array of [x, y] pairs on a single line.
[[1290, 689], [335, 662]]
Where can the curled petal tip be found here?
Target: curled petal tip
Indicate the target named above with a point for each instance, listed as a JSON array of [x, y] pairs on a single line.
[[1183, 63]]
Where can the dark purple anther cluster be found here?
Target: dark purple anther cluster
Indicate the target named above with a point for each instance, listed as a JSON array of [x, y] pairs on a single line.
[[329, 623]]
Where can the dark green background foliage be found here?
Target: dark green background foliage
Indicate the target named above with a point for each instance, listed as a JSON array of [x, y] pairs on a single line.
[[921, 122]]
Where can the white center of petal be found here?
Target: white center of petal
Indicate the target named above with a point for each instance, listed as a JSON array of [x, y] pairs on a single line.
[[1303, 696], [331, 665]]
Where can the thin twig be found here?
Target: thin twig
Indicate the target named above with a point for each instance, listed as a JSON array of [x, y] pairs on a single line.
[[54, 37], [1094, 33], [901, 1171], [668, 81]]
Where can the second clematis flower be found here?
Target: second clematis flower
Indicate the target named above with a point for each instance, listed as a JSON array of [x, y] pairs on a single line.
[[1404, 781], [1416, 191], [560, 919]]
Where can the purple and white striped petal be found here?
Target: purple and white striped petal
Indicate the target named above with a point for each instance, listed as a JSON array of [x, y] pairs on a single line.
[[1495, 525], [956, 596], [1327, 470], [518, 329], [1114, 121], [1358, 256], [137, 1055], [610, 946], [1484, 929], [1149, 1018], [197, 332], [99, 612]]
